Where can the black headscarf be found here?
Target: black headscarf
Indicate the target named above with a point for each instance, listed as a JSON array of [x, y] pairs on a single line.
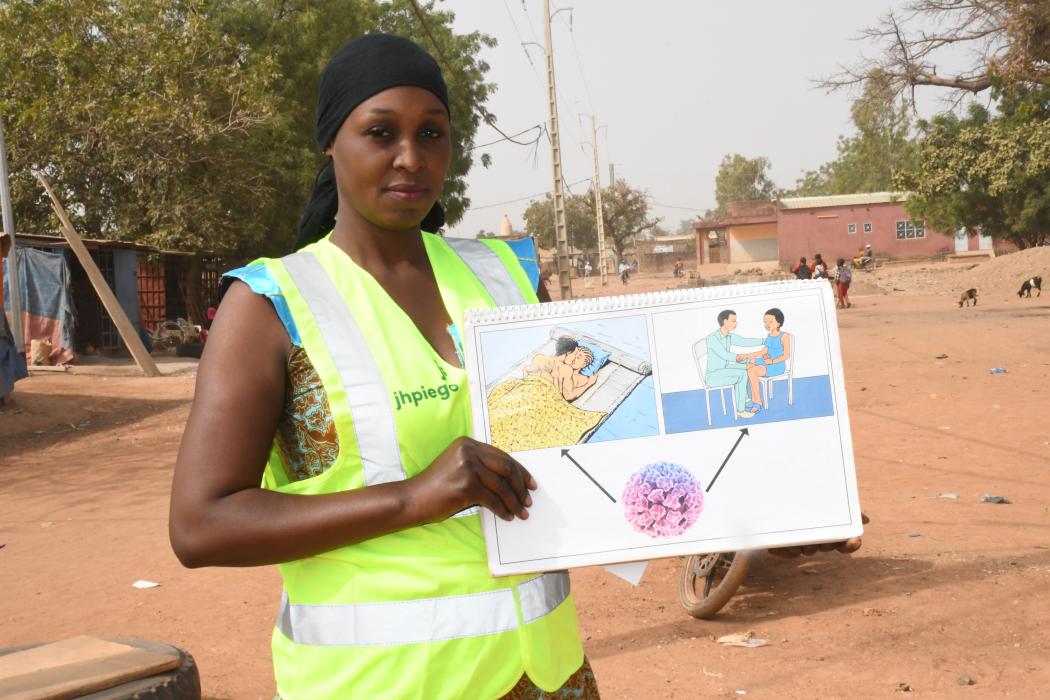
[[364, 67]]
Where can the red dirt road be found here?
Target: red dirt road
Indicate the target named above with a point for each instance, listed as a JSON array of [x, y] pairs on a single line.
[[941, 587]]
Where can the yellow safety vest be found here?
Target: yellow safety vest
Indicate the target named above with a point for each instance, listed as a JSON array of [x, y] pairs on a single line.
[[413, 614]]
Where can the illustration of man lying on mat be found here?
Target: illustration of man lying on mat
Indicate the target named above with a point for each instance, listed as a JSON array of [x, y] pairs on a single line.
[[564, 368], [561, 392]]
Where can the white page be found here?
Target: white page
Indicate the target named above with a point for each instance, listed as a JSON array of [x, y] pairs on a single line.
[[783, 477]]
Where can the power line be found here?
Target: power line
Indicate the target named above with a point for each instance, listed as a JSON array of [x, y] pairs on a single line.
[[523, 131], [579, 63], [671, 206], [485, 114], [521, 41], [522, 199], [528, 21]]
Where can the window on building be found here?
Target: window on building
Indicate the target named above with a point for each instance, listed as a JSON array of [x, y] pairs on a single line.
[[852, 228], [867, 228], [910, 229]]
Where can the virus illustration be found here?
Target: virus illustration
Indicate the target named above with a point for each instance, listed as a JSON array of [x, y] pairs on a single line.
[[662, 499]]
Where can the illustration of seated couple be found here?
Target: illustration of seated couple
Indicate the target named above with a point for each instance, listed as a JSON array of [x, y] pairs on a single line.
[[726, 366]]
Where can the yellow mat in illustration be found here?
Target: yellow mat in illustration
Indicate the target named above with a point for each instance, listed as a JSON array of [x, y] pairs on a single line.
[[528, 414]]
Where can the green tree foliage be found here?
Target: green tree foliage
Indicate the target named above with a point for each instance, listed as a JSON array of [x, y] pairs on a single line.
[[867, 161], [141, 113], [685, 227], [625, 214], [987, 171], [625, 211], [742, 179], [580, 221], [189, 123]]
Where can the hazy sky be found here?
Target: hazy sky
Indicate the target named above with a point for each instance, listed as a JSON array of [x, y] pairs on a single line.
[[677, 83]]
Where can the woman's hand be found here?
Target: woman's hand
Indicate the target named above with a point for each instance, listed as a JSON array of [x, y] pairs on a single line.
[[470, 473], [845, 547]]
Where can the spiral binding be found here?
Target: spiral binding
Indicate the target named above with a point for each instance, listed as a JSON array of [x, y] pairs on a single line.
[[629, 302]]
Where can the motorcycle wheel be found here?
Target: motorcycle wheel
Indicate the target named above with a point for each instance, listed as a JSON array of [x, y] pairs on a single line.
[[709, 580]]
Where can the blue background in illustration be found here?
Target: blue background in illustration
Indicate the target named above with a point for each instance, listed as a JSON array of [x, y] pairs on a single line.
[[684, 411], [635, 417]]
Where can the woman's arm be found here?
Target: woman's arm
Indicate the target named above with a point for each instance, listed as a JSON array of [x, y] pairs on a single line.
[[220, 516], [786, 344]]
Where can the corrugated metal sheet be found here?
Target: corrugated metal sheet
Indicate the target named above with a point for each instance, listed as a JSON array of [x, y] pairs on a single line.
[[843, 200]]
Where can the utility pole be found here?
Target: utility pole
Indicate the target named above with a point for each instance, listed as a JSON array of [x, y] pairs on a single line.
[[598, 203], [612, 173], [13, 284], [560, 229]]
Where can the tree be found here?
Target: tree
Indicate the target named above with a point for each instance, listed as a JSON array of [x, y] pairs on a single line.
[[189, 123], [987, 172], [625, 214], [141, 114], [685, 227], [742, 179], [580, 222], [866, 161], [1005, 40]]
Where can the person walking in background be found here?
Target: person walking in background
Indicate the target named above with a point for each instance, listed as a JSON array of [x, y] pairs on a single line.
[[801, 269], [843, 277], [625, 271], [820, 268]]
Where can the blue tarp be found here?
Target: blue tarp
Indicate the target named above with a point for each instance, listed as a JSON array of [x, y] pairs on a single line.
[[12, 362], [525, 249]]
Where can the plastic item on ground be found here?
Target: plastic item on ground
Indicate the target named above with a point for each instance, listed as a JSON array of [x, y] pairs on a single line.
[[742, 639], [994, 499], [997, 370]]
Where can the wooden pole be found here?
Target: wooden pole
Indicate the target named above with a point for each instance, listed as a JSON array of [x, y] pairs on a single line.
[[561, 242], [105, 294], [600, 223], [14, 284]]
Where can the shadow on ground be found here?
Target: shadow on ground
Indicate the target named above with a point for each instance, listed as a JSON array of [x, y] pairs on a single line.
[[781, 588]]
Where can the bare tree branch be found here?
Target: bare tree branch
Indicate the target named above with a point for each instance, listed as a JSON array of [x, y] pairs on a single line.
[[1008, 39]]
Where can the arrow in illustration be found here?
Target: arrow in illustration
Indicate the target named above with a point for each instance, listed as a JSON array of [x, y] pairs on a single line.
[[743, 432], [565, 453]]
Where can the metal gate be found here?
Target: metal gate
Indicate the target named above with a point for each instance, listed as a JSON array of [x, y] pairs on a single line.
[[151, 293]]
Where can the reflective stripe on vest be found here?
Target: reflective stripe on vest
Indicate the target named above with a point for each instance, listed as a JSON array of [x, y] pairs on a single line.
[[365, 391], [422, 620], [489, 269]]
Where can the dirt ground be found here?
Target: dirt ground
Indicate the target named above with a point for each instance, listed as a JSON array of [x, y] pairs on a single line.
[[943, 590]]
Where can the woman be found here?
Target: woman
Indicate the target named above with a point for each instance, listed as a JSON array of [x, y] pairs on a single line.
[[772, 361], [331, 376], [843, 278], [820, 268]]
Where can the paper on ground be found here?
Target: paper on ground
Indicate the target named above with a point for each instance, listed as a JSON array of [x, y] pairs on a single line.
[[630, 571]]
